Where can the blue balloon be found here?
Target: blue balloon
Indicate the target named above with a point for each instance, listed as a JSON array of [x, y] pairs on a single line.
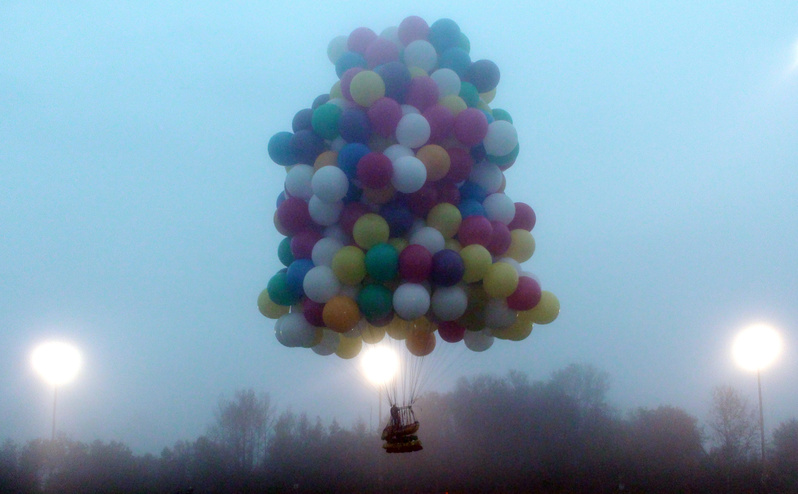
[[348, 157], [471, 190], [398, 217], [353, 193], [349, 60], [354, 125], [302, 120], [280, 149], [295, 275], [470, 207], [396, 77], [457, 59], [306, 146]]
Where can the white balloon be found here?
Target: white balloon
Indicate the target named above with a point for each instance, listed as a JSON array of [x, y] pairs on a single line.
[[396, 151], [324, 250], [499, 207], [296, 331], [449, 302], [330, 183], [328, 344], [501, 138], [337, 144], [391, 33], [337, 47], [478, 341], [411, 301], [321, 284], [498, 315], [420, 53], [413, 130], [486, 175], [448, 82], [430, 238], [409, 174], [324, 213], [409, 109], [337, 232], [297, 181]]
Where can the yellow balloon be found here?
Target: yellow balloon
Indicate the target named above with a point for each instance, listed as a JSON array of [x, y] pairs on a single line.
[[335, 91], [547, 309], [454, 103], [500, 280], [522, 245], [445, 218], [372, 334], [369, 230], [327, 158], [366, 88], [488, 97], [349, 348], [398, 243], [270, 309], [417, 72], [452, 244], [397, 328], [476, 260], [349, 265]]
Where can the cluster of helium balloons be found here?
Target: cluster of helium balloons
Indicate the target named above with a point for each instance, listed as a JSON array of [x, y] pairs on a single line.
[[394, 216]]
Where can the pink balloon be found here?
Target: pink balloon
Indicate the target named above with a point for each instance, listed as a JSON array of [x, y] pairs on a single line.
[[475, 230], [412, 28], [423, 93], [302, 243], [440, 121], [470, 126], [524, 218], [381, 51], [415, 263], [384, 115], [500, 238], [374, 170], [360, 39], [346, 81], [293, 215], [526, 296], [451, 331]]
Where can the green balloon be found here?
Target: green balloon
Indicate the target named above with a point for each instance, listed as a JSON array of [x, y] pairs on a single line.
[[382, 262], [284, 252], [325, 120], [278, 290], [375, 301], [469, 94], [499, 114], [464, 43]]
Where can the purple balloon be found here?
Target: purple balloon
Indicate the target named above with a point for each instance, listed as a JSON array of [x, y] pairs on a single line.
[[306, 146], [354, 125], [483, 74], [381, 51], [396, 77], [422, 93], [302, 120], [447, 268]]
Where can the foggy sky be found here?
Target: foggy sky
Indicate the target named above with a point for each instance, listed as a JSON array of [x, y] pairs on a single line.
[[658, 149]]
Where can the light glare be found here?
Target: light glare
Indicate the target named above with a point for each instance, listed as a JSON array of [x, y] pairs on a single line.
[[756, 347], [57, 362], [380, 364]]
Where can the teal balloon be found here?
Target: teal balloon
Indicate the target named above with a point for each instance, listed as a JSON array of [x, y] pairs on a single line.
[[499, 114], [375, 301], [325, 120], [382, 262], [279, 291], [469, 94], [507, 158], [284, 252], [464, 43]]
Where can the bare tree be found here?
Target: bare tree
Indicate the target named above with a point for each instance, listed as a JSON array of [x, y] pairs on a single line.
[[734, 425], [242, 428]]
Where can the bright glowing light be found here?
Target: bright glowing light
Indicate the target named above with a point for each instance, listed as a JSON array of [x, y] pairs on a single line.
[[756, 347], [380, 364], [57, 362]]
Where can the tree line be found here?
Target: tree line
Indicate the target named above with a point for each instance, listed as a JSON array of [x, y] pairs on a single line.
[[489, 434]]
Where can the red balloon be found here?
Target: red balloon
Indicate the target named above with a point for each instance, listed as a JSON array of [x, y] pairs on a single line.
[[470, 126], [451, 331], [374, 170], [475, 230], [422, 200], [500, 238], [313, 312], [415, 263], [350, 214], [448, 192], [302, 243], [293, 215], [461, 164], [526, 296], [524, 218]]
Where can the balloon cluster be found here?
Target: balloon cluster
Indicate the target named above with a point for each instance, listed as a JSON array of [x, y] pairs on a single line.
[[394, 214]]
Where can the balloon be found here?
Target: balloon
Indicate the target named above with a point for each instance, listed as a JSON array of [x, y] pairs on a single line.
[[476, 262], [441, 121], [349, 155], [324, 213], [349, 265], [451, 331], [524, 218], [372, 334], [327, 158], [499, 207], [279, 291], [330, 184], [354, 126], [382, 262], [320, 284], [468, 93], [348, 348], [470, 126], [369, 230], [420, 53], [443, 34], [381, 51], [336, 48], [455, 59], [447, 268], [422, 92], [454, 103], [399, 218], [478, 341], [447, 80], [415, 263], [324, 250], [360, 39], [436, 160], [411, 301], [349, 216], [324, 121], [449, 302], [312, 311], [461, 164], [367, 87], [500, 280], [475, 230], [384, 115], [526, 295], [546, 310], [412, 28], [498, 315], [328, 344], [295, 276], [341, 313], [522, 245], [284, 252], [445, 218], [413, 130], [409, 174], [280, 149], [397, 151], [486, 175], [501, 138], [500, 238], [295, 331], [348, 60], [269, 308], [396, 77], [428, 237], [420, 343], [380, 196], [375, 170], [306, 146], [297, 181], [483, 74], [375, 301]]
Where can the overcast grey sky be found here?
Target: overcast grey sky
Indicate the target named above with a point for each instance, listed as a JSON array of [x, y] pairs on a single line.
[[658, 149]]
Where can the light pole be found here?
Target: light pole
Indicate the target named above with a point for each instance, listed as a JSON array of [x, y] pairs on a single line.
[[57, 363], [755, 348]]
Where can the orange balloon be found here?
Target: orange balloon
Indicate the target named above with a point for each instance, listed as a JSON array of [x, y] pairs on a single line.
[[340, 314], [436, 160], [327, 158], [420, 343], [380, 196]]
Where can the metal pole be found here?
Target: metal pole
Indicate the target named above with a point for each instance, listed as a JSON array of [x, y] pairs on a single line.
[[761, 426], [55, 396]]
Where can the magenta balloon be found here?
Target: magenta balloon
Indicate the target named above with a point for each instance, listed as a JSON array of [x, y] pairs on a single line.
[[293, 215], [313, 312], [302, 243], [500, 238], [470, 126], [461, 164], [524, 218], [475, 229], [412, 28], [422, 200], [384, 115], [526, 296], [350, 214], [451, 331], [381, 51], [440, 121], [360, 39], [423, 93], [374, 170], [415, 263]]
